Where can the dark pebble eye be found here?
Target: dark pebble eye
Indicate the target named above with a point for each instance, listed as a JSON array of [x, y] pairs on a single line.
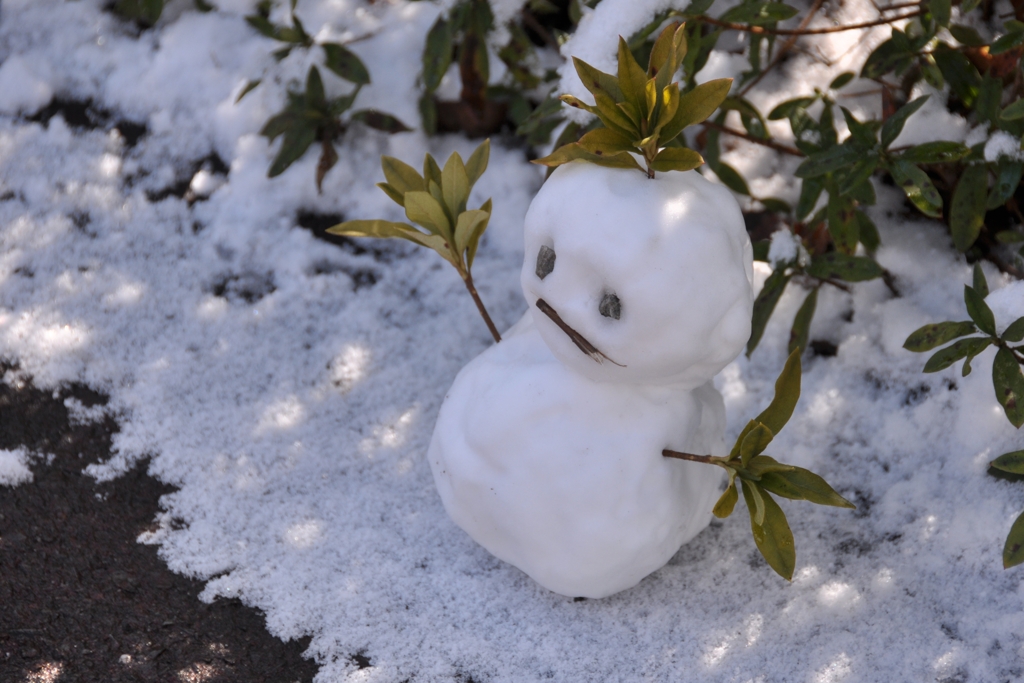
[[545, 262], [610, 306]]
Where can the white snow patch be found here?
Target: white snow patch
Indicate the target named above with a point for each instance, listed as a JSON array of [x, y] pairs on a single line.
[[22, 90], [1002, 145], [14, 467]]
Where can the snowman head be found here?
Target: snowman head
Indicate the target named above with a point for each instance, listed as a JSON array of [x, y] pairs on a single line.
[[656, 274]]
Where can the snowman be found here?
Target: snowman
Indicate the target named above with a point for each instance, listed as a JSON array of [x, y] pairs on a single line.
[[548, 448]]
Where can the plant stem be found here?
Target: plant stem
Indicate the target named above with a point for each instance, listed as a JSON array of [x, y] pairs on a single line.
[[786, 47], [807, 31], [706, 459], [468, 279], [792, 151]]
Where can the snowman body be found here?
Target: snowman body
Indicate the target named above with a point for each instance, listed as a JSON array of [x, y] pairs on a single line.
[[552, 460]]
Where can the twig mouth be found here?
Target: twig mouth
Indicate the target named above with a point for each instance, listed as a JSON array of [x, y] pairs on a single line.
[[578, 339]]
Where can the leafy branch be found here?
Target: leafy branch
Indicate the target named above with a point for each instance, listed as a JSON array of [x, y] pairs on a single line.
[[1007, 377], [310, 117], [760, 475], [436, 201]]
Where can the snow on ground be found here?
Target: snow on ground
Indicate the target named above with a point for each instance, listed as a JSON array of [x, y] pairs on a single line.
[[289, 387]]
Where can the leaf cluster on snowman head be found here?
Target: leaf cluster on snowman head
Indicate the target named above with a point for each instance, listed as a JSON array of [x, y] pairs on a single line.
[[437, 202], [641, 111]]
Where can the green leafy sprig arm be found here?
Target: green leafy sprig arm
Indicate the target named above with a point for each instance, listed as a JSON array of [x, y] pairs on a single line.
[[641, 112], [437, 202], [1007, 378], [760, 475]]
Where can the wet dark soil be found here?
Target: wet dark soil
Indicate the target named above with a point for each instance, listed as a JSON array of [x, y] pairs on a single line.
[[80, 599]]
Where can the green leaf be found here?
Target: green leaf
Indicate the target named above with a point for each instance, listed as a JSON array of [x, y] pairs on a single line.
[[437, 54], [868, 232], [315, 98], [474, 239], [676, 159], [1013, 549], [598, 81], [800, 484], [752, 494], [941, 11], [754, 442], [893, 126], [978, 281], [967, 211], [378, 120], [427, 106], [787, 393], [614, 117], [979, 311], [862, 134], [574, 151], [477, 163], [431, 171], [938, 152], [932, 73], [841, 80], [842, 223], [375, 228], [918, 187], [422, 208], [775, 204], [1012, 462], [835, 265], [632, 78], [345, 63], [928, 337], [962, 76], [395, 196], [280, 124], [696, 106], [967, 35], [261, 24], [1015, 332], [759, 13], [731, 178], [1007, 42], [401, 176], [295, 143], [802, 323], [773, 536], [810, 191], [787, 108], [724, 507], [894, 54], [455, 186], [468, 225], [829, 160], [762, 464], [942, 359], [605, 141], [764, 304], [249, 87], [1008, 175], [1013, 111], [1008, 382]]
